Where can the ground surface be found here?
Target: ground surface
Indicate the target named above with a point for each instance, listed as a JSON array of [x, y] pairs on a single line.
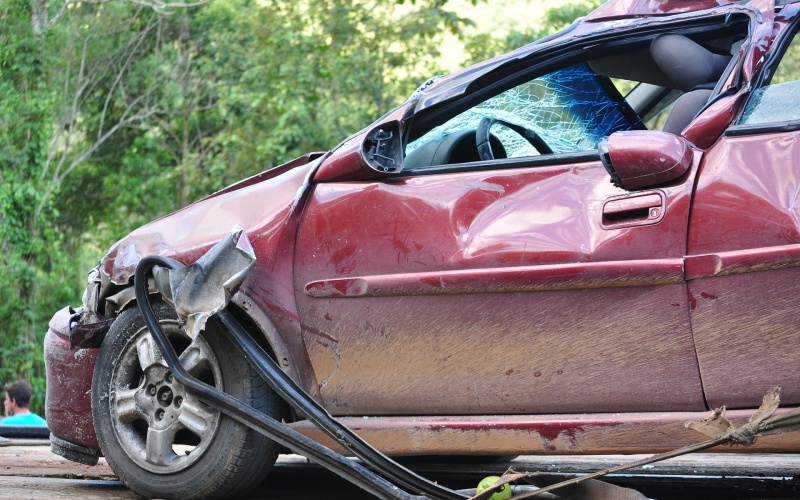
[[28, 470]]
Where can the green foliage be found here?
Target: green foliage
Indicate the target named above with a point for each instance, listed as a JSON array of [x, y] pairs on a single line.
[[302, 76], [30, 244], [789, 68], [484, 46]]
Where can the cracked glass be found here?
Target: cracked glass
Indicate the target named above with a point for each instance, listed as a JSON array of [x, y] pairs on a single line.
[[780, 100], [571, 109]]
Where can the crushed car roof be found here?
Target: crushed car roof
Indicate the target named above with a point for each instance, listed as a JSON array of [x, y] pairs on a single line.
[[610, 13], [615, 9]]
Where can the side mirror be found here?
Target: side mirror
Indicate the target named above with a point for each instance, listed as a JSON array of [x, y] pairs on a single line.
[[637, 159], [383, 148], [365, 156]]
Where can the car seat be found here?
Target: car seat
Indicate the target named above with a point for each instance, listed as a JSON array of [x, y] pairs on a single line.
[[691, 68]]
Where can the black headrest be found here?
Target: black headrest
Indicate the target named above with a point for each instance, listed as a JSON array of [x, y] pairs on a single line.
[[687, 63]]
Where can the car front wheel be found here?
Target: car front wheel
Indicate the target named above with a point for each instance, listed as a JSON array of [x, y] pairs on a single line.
[[159, 438]]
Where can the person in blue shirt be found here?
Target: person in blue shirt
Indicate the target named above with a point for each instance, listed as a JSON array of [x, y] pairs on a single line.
[[18, 399]]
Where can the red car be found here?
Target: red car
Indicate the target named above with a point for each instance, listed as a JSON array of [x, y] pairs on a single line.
[[520, 259]]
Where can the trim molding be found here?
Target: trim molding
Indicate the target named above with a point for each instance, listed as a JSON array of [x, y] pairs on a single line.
[[505, 279], [742, 261]]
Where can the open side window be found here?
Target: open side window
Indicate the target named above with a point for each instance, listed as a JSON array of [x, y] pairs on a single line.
[[566, 108]]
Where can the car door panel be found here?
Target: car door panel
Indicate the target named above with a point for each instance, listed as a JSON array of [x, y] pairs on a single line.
[[744, 246], [451, 270]]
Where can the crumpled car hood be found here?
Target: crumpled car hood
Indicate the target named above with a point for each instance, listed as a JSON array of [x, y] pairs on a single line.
[[260, 205]]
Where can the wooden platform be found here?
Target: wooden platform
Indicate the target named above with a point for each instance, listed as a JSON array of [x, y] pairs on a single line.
[[28, 470]]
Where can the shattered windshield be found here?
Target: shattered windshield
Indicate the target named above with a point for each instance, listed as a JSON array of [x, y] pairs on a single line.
[[570, 109]]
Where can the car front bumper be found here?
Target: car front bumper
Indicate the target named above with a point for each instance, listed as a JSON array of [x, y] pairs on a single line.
[[68, 403]]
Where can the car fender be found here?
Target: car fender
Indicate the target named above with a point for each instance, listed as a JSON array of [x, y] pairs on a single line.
[[267, 209]]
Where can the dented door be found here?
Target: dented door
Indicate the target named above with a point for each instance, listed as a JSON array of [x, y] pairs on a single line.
[[504, 291]]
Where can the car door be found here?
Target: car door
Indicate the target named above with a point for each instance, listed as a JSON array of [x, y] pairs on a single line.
[[744, 243], [523, 284]]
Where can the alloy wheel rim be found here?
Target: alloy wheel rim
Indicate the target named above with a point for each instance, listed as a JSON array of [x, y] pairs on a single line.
[[161, 426]]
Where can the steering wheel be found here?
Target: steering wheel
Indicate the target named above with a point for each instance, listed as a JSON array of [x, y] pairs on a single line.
[[485, 147]]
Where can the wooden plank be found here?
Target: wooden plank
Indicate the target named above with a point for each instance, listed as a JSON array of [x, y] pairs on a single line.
[[31, 471], [37, 460], [41, 488], [699, 465]]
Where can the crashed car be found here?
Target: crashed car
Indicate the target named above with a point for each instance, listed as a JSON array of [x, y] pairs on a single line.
[[522, 258]]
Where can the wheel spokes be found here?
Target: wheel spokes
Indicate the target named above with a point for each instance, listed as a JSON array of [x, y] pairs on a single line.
[[174, 418], [197, 357], [158, 448], [197, 418], [148, 352], [126, 407]]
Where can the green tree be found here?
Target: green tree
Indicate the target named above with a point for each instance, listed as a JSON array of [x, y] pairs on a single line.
[[484, 45], [30, 245], [55, 60], [302, 76]]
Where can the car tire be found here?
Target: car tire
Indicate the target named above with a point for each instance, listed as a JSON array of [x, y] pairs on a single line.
[[161, 440]]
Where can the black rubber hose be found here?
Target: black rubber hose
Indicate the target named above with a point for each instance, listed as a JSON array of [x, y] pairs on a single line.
[[348, 469], [319, 416]]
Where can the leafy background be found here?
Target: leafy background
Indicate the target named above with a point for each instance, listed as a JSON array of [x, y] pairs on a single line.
[[114, 112]]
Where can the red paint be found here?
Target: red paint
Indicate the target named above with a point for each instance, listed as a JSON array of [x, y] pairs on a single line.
[[433, 251], [537, 434], [743, 261], [744, 249], [707, 127], [68, 404], [547, 426], [646, 158], [516, 279], [626, 8], [261, 209], [346, 163], [551, 433]]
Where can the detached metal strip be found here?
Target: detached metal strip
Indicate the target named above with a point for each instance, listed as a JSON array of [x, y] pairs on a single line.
[[348, 469]]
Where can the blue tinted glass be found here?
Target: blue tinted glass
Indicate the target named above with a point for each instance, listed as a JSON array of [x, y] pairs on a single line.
[[571, 109], [584, 107]]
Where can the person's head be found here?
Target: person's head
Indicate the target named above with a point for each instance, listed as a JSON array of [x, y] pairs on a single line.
[[18, 397]]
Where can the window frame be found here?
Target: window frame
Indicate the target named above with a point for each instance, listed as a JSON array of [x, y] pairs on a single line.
[[764, 78], [541, 63]]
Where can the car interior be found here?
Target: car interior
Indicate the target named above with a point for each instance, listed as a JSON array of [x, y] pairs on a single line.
[[666, 81]]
